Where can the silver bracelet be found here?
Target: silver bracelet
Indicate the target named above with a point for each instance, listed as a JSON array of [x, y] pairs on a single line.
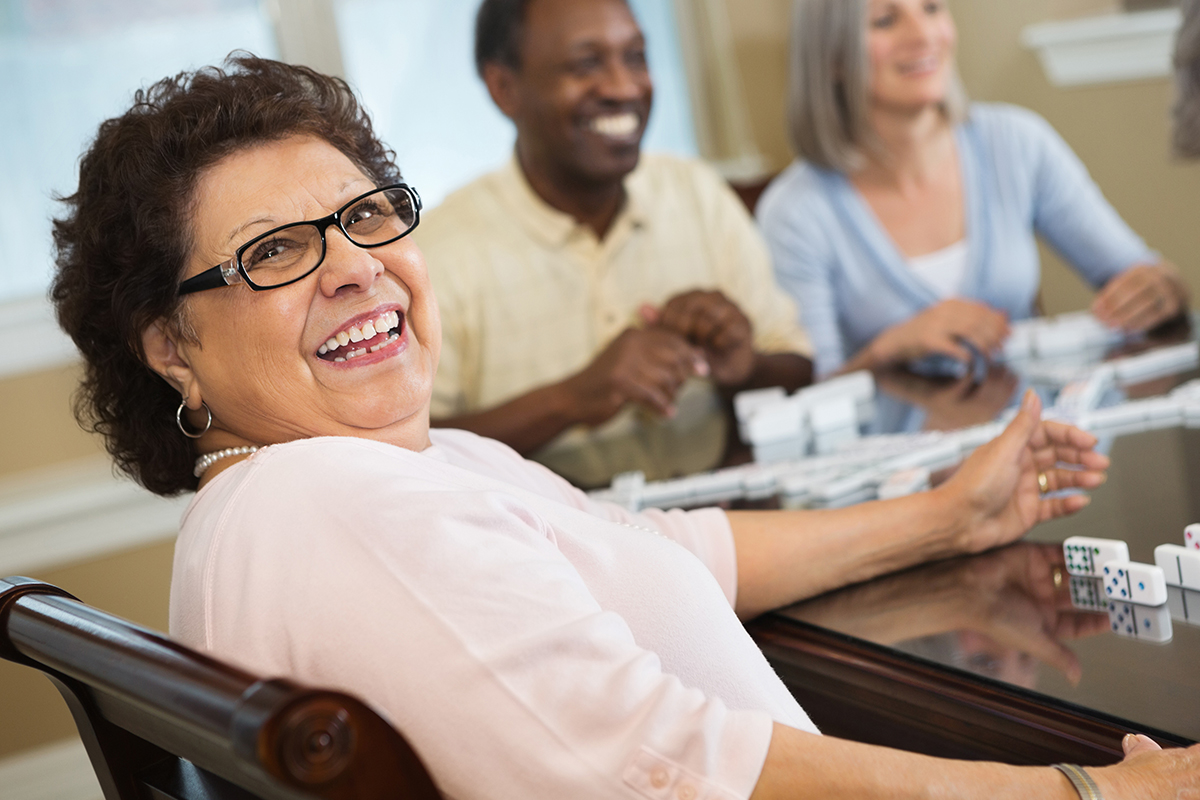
[[1082, 782]]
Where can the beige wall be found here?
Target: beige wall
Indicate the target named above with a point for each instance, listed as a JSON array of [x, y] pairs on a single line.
[[37, 429], [1120, 131], [134, 585], [36, 423]]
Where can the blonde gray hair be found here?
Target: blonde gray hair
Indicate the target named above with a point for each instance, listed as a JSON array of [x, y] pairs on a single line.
[[1187, 82], [828, 96]]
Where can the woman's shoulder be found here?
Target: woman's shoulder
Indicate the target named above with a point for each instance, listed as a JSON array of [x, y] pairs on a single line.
[[797, 191], [317, 468], [1004, 123], [799, 206], [351, 484]]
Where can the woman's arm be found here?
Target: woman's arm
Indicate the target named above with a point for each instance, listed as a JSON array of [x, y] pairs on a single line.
[[950, 328], [1140, 289], [1143, 297], [804, 765], [993, 499]]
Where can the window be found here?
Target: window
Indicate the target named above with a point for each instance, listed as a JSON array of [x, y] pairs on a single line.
[[66, 65]]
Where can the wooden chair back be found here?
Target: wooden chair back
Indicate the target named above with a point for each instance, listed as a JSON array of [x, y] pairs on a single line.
[[159, 720]]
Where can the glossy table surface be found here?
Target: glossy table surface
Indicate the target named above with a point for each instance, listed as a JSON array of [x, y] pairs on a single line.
[[1006, 617]]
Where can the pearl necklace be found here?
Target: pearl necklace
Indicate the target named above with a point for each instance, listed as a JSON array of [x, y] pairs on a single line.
[[208, 459]]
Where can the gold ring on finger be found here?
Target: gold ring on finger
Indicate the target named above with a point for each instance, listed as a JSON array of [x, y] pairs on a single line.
[[1043, 482]]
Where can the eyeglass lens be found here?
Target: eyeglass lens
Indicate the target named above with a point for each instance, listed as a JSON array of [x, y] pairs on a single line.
[[288, 253]]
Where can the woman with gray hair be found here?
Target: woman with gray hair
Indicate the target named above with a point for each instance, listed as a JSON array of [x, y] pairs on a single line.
[[906, 228]]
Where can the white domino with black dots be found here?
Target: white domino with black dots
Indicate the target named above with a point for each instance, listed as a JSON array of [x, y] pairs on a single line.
[[1132, 582], [1086, 555], [1180, 565]]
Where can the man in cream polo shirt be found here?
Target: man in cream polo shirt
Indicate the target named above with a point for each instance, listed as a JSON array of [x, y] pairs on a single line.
[[596, 303]]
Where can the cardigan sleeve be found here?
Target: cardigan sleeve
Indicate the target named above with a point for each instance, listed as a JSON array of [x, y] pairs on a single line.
[[803, 259], [1069, 211]]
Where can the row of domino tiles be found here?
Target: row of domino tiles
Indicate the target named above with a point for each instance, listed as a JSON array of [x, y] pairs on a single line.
[[1141, 600], [859, 469]]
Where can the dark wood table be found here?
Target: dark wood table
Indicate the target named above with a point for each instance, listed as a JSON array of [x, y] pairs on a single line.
[[986, 658]]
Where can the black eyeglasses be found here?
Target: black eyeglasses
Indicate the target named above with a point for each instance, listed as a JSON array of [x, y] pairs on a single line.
[[292, 252]]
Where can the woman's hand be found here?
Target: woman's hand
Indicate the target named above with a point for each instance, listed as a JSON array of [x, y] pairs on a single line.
[[1142, 297], [997, 489], [946, 328], [1149, 771]]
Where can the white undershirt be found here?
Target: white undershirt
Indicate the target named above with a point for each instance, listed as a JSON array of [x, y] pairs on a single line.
[[944, 271]]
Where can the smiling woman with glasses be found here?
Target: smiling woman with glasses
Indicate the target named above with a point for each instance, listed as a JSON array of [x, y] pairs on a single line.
[[529, 641]]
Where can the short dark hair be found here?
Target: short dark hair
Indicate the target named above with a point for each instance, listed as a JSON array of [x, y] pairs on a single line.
[[498, 28], [124, 240]]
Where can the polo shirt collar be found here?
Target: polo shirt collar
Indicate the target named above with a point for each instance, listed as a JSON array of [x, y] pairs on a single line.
[[553, 227]]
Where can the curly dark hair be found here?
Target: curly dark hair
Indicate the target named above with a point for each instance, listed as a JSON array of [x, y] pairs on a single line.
[[123, 243]]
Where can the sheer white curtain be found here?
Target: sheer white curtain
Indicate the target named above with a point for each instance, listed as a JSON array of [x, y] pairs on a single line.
[[722, 119]]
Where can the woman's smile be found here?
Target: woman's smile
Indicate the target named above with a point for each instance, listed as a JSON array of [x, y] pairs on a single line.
[[380, 334]]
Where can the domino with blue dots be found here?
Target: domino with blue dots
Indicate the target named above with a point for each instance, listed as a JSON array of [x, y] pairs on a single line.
[[1129, 581], [1140, 622]]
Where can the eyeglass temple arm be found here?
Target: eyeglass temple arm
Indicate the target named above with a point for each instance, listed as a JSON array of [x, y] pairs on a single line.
[[221, 275]]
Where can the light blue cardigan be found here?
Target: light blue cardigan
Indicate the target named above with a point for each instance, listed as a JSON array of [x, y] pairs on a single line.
[[1020, 178]]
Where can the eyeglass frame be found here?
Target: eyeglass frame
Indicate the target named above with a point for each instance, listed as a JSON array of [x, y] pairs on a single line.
[[227, 273]]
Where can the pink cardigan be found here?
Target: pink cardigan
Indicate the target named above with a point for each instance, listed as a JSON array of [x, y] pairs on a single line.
[[529, 642]]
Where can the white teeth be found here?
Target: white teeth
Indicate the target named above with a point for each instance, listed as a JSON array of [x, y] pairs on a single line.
[[385, 343], [385, 323], [617, 125], [339, 360]]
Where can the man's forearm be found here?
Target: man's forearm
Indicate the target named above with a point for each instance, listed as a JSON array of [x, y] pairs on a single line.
[[524, 423], [792, 371]]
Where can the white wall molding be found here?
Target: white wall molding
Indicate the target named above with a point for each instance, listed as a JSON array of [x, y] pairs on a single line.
[[77, 512], [59, 771], [40, 343], [1105, 49]]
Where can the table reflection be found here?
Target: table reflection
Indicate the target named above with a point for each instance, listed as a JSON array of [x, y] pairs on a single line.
[[907, 402], [999, 614], [1009, 615]]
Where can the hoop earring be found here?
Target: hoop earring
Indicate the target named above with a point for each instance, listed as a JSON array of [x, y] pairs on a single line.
[[179, 420]]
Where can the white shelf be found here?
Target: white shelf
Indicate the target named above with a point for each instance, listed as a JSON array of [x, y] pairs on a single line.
[[1105, 49]]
